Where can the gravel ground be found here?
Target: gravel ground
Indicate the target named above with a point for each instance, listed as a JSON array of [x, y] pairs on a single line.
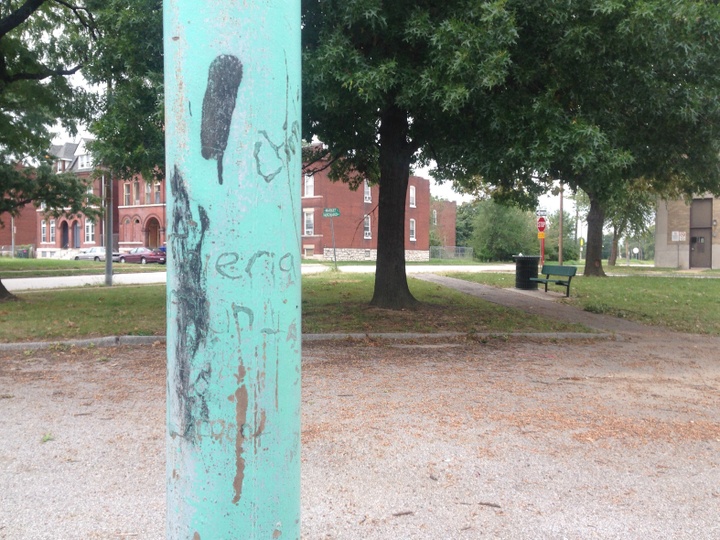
[[434, 439]]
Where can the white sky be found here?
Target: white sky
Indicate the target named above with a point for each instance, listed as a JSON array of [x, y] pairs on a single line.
[[549, 202]]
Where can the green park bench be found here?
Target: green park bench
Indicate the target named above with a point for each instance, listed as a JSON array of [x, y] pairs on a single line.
[[563, 276]]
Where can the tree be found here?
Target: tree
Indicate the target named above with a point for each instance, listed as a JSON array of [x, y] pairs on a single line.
[[629, 212], [598, 93], [570, 247], [379, 77], [127, 57], [465, 216], [35, 93], [503, 231]]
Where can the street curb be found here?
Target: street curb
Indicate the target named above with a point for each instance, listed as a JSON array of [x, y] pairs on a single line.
[[117, 341]]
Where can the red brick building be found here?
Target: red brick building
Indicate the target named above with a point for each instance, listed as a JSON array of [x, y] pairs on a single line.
[[443, 217], [139, 216], [55, 236], [138, 211], [25, 230], [355, 229], [141, 213]]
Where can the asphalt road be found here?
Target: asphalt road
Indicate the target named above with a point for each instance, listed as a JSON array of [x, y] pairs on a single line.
[[26, 284]]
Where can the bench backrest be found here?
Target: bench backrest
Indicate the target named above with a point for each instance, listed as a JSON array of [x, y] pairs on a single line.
[[558, 270]]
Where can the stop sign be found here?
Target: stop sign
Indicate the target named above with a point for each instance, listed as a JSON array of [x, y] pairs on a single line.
[[541, 224]]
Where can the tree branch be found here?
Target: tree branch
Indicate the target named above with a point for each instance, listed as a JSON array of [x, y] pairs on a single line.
[[19, 16], [83, 15], [43, 74]]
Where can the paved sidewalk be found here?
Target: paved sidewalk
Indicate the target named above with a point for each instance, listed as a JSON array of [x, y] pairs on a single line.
[[541, 303], [143, 278]]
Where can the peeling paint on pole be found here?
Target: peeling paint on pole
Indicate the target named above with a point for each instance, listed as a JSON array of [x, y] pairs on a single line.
[[232, 91]]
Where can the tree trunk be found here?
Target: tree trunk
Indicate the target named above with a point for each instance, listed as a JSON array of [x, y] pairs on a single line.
[[612, 261], [5, 295], [391, 287], [595, 222]]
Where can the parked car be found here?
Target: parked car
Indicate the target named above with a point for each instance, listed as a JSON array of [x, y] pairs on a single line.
[[93, 254], [142, 255]]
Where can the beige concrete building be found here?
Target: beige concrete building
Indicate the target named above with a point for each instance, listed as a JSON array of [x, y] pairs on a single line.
[[686, 233]]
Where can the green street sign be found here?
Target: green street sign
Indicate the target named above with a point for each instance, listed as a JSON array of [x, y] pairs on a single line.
[[331, 212]]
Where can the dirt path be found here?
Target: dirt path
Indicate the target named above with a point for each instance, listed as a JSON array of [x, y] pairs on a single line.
[[452, 440]]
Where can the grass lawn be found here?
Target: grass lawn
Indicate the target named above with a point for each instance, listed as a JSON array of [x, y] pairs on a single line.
[[332, 303], [679, 302]]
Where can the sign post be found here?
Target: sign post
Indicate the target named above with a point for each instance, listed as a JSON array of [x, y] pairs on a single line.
[[541, 226], [332, 213], [233, 150]]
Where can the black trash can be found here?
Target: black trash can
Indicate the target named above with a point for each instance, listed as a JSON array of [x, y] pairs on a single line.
[[526, 267]]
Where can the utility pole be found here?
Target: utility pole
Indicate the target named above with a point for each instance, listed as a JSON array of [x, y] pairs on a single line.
[[107, 182], [233, 146], [12, 237], [107, 186], [560, 228]]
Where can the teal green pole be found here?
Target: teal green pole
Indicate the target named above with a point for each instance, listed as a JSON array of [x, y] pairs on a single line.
[[232, 102]]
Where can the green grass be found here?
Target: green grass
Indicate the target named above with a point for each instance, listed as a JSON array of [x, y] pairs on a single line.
[[336, 302], [684, 304], [84, 312], [332, 303], [29, 268], [340, 304], [47, 437]]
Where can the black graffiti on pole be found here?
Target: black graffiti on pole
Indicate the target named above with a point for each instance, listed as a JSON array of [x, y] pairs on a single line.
[[224, 78], [192, 321]]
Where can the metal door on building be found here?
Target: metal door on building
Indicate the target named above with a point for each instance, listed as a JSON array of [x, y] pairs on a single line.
[[64, 235], [701, 233]]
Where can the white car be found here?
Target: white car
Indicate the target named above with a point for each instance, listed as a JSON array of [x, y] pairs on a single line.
[[91, 254]]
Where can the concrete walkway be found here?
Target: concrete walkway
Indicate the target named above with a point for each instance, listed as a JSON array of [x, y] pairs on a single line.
[[144, 278], [538, 302]]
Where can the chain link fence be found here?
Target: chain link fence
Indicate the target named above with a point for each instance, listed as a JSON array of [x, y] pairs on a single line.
[[451, 252]]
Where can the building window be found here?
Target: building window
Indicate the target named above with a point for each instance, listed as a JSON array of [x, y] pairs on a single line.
[[434, 217], [367, 192], [89, 231], [84, 161], [309, 189], [412, 196], [89, 192], [52, 231], [136, 193], [367, 229], [158, 198], [126, 194], [148, 193], [412, 230], [309, 220], [43, 231]]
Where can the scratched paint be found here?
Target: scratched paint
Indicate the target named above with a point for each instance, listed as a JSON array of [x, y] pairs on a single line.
[[233, 159]]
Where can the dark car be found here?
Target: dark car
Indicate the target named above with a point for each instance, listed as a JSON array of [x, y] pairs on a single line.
[[142, 255]]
